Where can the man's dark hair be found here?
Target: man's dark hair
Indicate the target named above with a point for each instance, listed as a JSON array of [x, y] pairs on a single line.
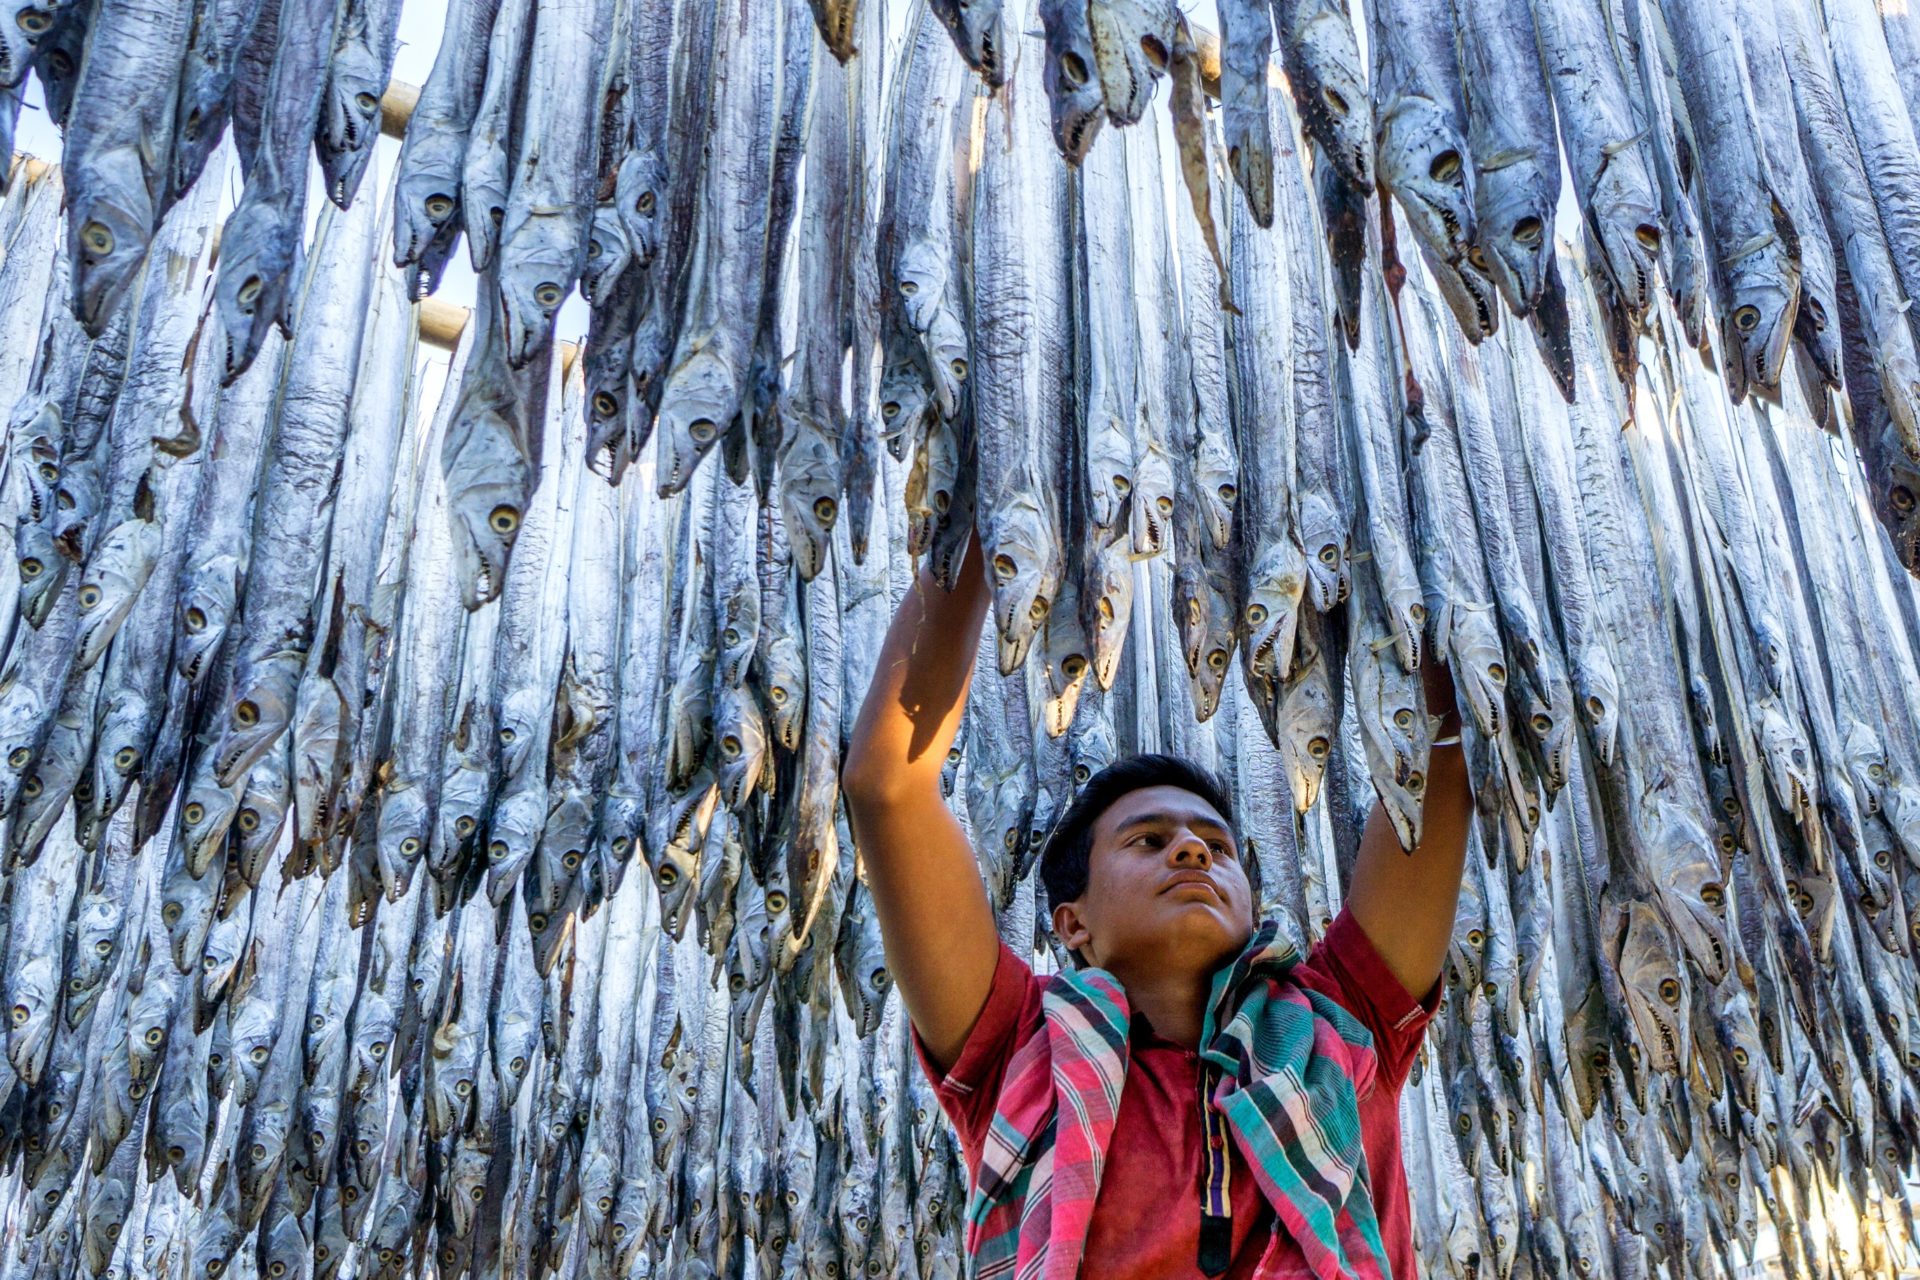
[[1064, 861]]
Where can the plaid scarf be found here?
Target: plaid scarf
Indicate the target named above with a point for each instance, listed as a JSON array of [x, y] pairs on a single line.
[[1290, 1067]]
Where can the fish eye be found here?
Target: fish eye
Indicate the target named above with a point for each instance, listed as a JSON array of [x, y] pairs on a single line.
[[824, 509], [246, 714], [1476, 939], [604, 405], [702, 430], [20, 1015], [1542, 723], [31, 787], [1445, 166], [216, 1265], [35, 22], [1746, 319], [1478, 257], [103, 947], [378, 1048], [18, 757], [1670, 990], [249, 819], [89, 596], [170, 914], [463, 825], [30, 567], [890, 410], [1883, 859], [1901, 497], [438, 206], [548, 294], [125, 758], [1217, 659], [1528, 230], [958, 366], [644, 203], [1416, 783], [621, 844], [1647, 234], [1012, 838], [571, 859], [776, 901], [1712, 894], [878, 978], [537, 921], [1072, 665], [365, 101], [1256, 614], [1497, 673], [503, 520], [1227, 494], [908, 288], [257, 1055], [1403, 718], [154, 1036], [1318, 746], [1726, 842], [1335, 103], [1740, 1057], [196, 619], [778, 693], [249, 293], [97, 237]]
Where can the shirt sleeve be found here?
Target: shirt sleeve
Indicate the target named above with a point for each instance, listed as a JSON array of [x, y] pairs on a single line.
[[1346, 966], [969, 1091]]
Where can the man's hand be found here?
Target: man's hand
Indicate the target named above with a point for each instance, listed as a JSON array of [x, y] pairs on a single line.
[[942, 946], [1405, 901]]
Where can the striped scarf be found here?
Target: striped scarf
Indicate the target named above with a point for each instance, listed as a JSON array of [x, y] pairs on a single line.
[[1291, 1066]]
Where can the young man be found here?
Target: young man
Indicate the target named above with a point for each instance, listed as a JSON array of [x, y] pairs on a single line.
[[1124, 1112]]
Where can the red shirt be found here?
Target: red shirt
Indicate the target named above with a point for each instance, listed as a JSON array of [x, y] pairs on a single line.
[[1146, 1222]]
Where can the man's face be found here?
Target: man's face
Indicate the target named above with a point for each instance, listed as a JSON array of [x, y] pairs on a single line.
[[1164, 887]]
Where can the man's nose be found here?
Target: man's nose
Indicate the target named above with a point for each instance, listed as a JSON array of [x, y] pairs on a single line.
[[1190, 848]]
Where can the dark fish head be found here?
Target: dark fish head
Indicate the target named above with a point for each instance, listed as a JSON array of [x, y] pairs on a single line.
[[259, 260], [1330, 92], [1760, 324], [975, 28], [1423, 161], [1250, 161], [1818, 331], [1552, 328], [700, 399], [109, 223], [1072, 78], [349, 118]]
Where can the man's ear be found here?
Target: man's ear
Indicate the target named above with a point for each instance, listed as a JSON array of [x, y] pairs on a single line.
[[1069, 927]]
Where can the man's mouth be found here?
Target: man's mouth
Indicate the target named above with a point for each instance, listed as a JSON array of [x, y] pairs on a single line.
[[1192, 878]]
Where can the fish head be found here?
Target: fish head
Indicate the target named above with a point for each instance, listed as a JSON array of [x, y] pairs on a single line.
[[262, 813], [114, 574], [1624, 220], [1479, 668], [514, 833], [206, 814], [1423, 161], [33, 999], [1071, 76], [784, 681], [23, 719], [639, 193], [400, 837], [1104, 616], [489, 480], [609, 254], [1597, 685], [250, 1047], [1655, 985], [975, 28], [1068, 660], [1324, 535], [259, 711], [1468, 291], [426, 201], [465, 794], [1742, 1055], [1269, 620], [1150, 502], [1551, 732], [741, 736], [1022, 552], [1397, 738], [349, 117], [809, 491], [627, 1224], [1783, 749], [1306, 729], [1330, 92], [1217, 485], [372, 1039], [701, 397], [523, 713], [676, 871], [1866, 761], [906, 400], [1819, 336], [43, 570], [1760, 321], [739, 631], [1132, 47], [208, 593], [1513, 208], [109, 224], [253, 292], [1691, 885]]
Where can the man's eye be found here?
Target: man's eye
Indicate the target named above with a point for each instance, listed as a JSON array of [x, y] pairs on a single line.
[[1219, 850]]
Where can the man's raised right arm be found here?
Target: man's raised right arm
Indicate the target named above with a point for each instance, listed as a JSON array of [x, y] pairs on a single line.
[[942, 946]]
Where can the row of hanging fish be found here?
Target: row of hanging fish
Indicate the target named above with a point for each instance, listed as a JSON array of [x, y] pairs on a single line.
[[310, 683]]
